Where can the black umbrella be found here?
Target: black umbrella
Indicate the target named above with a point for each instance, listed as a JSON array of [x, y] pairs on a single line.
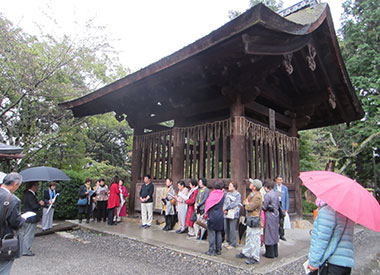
[[43, 173], [242, 228]]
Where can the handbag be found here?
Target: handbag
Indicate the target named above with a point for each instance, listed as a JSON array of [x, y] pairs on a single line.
[[9, 247], [9, 243], [201, 221], [82, 202], [230, 214], [253, 221]]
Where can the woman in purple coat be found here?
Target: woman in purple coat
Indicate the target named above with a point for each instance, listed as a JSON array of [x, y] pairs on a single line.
[[271, 207]]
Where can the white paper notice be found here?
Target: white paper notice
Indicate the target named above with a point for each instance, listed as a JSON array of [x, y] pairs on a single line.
[[28, 215], [305, 264]]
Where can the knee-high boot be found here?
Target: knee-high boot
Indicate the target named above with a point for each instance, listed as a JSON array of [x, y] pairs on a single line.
[[269, 251]]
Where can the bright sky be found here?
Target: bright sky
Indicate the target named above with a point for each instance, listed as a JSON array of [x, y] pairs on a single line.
[[144, 30]]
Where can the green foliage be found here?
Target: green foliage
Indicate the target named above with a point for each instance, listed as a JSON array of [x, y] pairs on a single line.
[[109, 140], [67, 207], [308, 207], [38, 72], [351, 147], [96, 170], [308, 160]]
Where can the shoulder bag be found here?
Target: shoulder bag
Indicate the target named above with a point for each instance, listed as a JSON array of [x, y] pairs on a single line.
[[253, 221], [82, 202], [9, 242]]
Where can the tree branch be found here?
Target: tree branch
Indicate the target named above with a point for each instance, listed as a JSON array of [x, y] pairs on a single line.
[[358, 151]]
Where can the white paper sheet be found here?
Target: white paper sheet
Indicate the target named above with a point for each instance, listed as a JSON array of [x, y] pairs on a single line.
[[28, 215]]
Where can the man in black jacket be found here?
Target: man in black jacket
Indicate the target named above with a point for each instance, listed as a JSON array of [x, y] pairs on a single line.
[[13, 220], [30, 204], [146, 198]]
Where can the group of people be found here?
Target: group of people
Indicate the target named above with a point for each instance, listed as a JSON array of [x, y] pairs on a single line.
[[217, 211], [101, 202]]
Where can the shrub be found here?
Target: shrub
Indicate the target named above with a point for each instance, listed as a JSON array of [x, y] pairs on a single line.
[[308, 207]]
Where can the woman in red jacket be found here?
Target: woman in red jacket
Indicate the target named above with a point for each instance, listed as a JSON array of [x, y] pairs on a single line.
[[113, 200], [190, 203]]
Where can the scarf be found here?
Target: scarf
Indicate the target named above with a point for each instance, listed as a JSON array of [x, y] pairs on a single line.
[[191, 192], [213, 198]]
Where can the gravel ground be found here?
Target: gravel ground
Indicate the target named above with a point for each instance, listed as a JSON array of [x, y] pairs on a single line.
[[82, 252]]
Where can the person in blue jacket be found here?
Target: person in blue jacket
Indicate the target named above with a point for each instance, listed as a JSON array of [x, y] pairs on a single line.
[[283, 196], [331, 248]]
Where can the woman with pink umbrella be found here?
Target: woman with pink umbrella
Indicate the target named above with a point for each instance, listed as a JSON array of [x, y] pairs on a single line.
[[344, 203]]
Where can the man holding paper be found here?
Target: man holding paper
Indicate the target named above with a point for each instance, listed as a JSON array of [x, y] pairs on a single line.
[[33, 205], [11, 220]]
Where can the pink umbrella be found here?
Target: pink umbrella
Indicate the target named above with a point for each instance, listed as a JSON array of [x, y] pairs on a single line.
[[345, 196]]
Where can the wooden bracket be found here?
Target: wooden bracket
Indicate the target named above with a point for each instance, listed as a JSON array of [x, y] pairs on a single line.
[[310, 58], [287, 62]]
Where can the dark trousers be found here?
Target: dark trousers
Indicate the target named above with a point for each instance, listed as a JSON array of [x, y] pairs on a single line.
[[86, 215], [214, 241], [85, 210], [102, 210], [281, 230], [271, 251], [332, 269], [111, 214], [170, 221]]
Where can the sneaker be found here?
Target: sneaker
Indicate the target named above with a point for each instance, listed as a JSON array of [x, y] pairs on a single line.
[[142, 226], [147, 226], [218, 252], [282, 238], [240, 256], [251, 261]]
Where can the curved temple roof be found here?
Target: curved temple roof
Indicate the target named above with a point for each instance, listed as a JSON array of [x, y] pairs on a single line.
[[291, 65]]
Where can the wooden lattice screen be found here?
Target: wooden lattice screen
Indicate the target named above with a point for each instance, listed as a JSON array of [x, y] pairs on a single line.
[[207, 151]]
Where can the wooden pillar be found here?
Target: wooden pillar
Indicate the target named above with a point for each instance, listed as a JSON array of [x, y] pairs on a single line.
[[136, 171], [178, 155], [238, 146], [295, 172]]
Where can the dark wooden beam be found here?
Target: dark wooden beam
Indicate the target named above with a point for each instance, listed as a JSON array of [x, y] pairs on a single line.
[[145, 120], [262, 110], [326, 75]]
